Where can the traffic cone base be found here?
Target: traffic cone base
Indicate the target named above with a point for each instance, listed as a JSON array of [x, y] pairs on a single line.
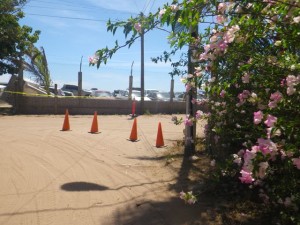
[[94, 128], [133, 115], [159, 139], [161, 146], [95, 132], [66, 124], [133, 140], [133, 134]]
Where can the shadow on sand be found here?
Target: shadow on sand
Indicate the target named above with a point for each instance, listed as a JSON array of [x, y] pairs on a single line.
[[82, 186], [171, 212]]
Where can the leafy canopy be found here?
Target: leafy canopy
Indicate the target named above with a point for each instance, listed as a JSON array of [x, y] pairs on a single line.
[[14, 39]]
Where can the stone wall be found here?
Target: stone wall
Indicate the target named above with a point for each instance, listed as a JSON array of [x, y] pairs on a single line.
[[87, 106]]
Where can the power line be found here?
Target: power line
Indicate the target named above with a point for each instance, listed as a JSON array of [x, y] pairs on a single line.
[[66, 3], [136, 5], [146, 6], [48, 7], [152, 5], [66, 17]]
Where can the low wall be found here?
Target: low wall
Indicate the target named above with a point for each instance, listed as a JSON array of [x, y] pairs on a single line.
[[87, 106]]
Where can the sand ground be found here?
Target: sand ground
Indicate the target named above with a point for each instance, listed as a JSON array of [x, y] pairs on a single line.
[[49, 176]]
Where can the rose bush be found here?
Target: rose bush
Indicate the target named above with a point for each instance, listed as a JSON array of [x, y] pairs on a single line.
[[251, 51]]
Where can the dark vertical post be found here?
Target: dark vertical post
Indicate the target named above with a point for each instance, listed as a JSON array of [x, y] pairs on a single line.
[[130, 87], [55, 99], [80, 79], [172, 90], [55, 89], [130, 83], [79, 83], [190, 131], [142, 66]]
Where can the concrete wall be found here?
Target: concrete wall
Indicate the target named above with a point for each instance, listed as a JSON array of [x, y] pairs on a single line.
[[87, 106]]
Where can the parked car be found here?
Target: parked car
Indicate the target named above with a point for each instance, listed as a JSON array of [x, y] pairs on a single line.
[[148, 91], [120, 93], [74, 89], [200, 96], [179, 96], [160, 96], [68, 93], [136, 95], [59, 91], [101, 93]]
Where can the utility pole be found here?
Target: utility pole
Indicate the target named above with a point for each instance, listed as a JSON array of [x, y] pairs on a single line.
[[190, 131], [80, 79], [130, 83], [142, 66], [172, 89]]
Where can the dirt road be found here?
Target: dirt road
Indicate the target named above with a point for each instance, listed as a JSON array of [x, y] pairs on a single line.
[[48, 176]]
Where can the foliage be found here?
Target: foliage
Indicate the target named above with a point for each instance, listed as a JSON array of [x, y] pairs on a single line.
[[14, 39], [132, 30], [38, 66], [177, 65], [250, 50]]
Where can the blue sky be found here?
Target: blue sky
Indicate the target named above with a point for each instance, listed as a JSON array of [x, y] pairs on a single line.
[[66, 40]]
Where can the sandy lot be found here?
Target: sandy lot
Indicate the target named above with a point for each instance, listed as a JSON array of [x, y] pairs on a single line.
[[48, 176]]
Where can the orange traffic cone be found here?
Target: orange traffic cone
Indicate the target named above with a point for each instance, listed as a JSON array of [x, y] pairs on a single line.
[[94, 128], [133, 134], [66, 125], [159, 138]]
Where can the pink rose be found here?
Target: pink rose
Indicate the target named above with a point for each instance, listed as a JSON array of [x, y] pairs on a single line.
[[271, 120], [258, 116], [296, 162], [246, 177]]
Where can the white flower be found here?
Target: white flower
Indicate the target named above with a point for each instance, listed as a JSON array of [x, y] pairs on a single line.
[[277, 43], [188, 197], [296, 19], [293, 67], [253, 95], [291, 90], [174, 8], [262, 169], [162, 12]]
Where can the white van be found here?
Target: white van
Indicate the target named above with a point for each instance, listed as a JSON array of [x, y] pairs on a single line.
[[148, 91]]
